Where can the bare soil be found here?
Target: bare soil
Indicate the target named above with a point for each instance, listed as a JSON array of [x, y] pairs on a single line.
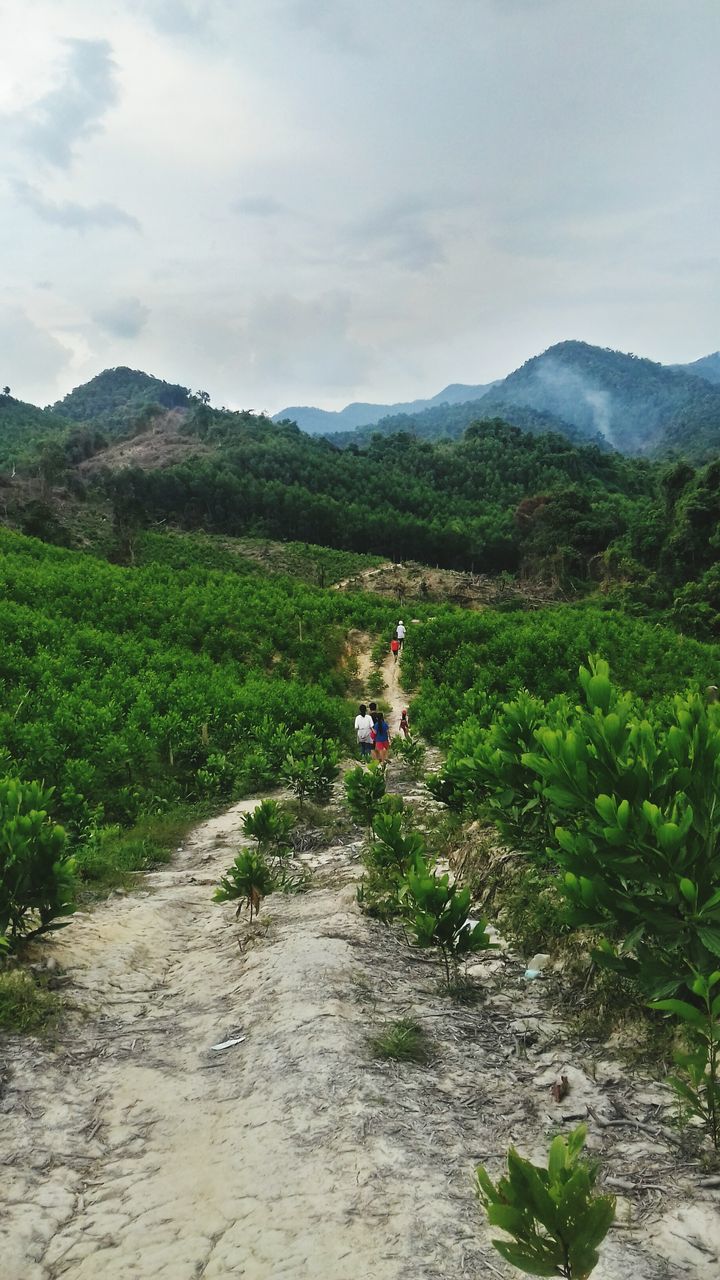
[[163, 444], [133, 1148]]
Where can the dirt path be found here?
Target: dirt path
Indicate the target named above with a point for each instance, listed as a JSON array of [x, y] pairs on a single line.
[[133, 1149]]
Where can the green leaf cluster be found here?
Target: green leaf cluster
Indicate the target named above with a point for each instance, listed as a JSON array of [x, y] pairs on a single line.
[[249, 879], [556, 1219], [37, 883]]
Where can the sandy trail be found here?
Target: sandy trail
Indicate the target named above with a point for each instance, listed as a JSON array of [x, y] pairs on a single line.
[[132, 1149]]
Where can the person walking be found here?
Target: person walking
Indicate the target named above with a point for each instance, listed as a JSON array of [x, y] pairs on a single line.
[[363, 729], [395, 648], [381, 739], [405, 723], [400, 633]]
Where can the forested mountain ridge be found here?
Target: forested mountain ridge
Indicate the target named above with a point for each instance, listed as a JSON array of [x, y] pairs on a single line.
[[585, 392], [451, 421], [707, 367], [637, 405], [359, 414]]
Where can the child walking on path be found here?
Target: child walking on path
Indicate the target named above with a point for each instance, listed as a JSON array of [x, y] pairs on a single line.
[[381, 738], [395, 648]]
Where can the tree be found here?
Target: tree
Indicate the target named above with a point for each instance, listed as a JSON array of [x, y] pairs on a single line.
[[6, 391]]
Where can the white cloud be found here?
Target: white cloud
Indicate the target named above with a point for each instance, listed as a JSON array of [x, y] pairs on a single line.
[[74, 216], [123, 318], [54, 124]]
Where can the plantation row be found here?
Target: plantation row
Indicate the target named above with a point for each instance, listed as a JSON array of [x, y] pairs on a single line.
[[464, 665], [123, 688]]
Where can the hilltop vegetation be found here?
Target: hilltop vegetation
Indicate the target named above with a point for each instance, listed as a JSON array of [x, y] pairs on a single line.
[[116, 397]]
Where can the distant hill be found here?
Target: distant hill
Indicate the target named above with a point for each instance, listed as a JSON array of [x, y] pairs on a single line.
[[320, 422], [707, 367], [450, 422], [116, 396], [636, 405]]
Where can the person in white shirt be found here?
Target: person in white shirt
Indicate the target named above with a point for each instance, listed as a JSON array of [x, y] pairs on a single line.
[[400, 633], [363, 729]]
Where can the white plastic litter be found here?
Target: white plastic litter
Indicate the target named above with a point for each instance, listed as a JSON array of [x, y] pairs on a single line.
[[227, 1044]]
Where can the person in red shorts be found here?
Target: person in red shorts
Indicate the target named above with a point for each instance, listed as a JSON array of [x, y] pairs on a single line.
[[381, 738]]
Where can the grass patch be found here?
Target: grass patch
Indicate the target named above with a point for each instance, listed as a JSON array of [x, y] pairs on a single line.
[[403, 1041], [26, 1004], [111, 857]]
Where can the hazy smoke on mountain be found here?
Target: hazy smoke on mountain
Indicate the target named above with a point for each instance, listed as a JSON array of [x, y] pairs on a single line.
[[568, 390]]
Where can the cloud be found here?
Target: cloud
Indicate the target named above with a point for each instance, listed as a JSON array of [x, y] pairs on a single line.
[[298, 342], [53, 125], [74, 216], [259, 207], [400, 232], [124, 318], [31, 357]]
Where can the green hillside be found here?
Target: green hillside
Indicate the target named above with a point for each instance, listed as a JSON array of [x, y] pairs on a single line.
[[637, 405], [116, 396]]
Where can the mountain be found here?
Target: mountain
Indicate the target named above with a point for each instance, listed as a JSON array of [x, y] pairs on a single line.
[[116, 396], [318, 422], [638, 406], [707, 367], [451, 421]]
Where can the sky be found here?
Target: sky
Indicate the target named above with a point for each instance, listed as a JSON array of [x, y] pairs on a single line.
[[289, 202]]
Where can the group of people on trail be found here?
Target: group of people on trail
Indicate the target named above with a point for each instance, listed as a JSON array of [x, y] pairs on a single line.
[[398, 640], [373, 731]]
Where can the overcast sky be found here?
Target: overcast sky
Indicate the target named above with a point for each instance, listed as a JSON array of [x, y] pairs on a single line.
[[316, 201]]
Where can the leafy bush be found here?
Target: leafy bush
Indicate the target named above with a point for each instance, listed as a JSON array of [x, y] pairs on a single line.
[[436, 912], [698, 1085], [36, 872], [310, 767], [364, 791], [557, 1221], [386, 860], [640, 840], [249, 879], [412, 752], [271, 827]]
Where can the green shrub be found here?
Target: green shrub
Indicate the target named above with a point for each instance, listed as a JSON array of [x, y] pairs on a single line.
[[698, 1084], [249, 879], [386, 859], [556, 1219], [310, 767], [412, 752], [436, 913], [37, 884], [270, 826], [364, 791]]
